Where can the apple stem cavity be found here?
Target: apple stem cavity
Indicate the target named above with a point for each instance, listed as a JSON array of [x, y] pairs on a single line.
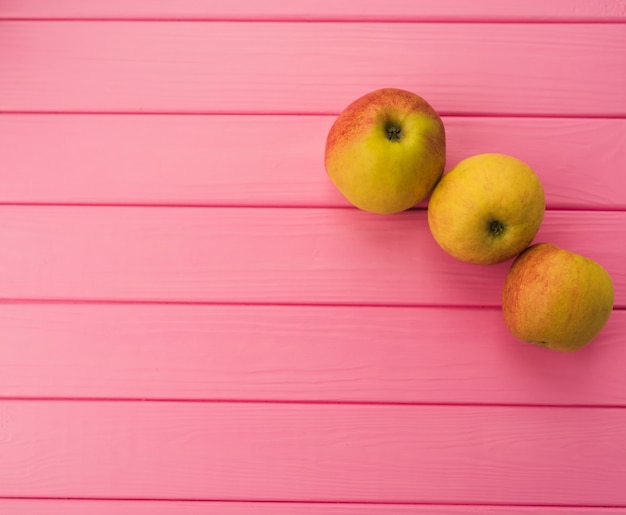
[[496, 227], [393, 132]]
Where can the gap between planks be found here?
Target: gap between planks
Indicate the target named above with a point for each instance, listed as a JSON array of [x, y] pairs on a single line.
[[304, 402], [248, 112], [606, 508], [196, 205], [161, 302], [321, 19]]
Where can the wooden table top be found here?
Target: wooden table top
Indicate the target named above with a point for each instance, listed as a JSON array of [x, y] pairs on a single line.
[[193, 320]]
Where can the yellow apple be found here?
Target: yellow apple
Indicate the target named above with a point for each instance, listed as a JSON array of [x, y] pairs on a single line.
[[487, 209], [555, 298], [386, 151]]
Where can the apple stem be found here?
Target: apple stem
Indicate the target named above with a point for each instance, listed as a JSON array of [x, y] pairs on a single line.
[[496, 227], [394, 132]]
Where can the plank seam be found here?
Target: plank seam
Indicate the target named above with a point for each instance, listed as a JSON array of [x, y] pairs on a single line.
[[163, 302], [550, 20], [227, 205], [310, 402], [313, 501], [448, 114]]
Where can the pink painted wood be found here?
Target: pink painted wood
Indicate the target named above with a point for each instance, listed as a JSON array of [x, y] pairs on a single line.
[[106, 507], [192, 319], [231, 67], [296, 452], [307, 10], [177, 159], [298, 353], [270, 255]]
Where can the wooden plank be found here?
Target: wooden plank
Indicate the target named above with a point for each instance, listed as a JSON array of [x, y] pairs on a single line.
[[293, 452], [448, 10], [178, 159], [264, 255], [105, 507], [569, 69], [296, 353]]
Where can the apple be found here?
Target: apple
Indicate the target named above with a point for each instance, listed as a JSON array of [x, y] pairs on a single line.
[[487, 209], [386, 151], [555, 298]]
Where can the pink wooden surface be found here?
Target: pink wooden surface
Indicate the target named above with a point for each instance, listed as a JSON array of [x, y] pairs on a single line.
[[182, 158], [123, 507], [348, 354], [424, 10], [246, 67], [316, 452], [192, 319], [259, 255]]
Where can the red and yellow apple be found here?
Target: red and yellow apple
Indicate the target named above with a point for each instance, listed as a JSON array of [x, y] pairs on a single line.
[[386, 151], [556, 298], [487, 209]]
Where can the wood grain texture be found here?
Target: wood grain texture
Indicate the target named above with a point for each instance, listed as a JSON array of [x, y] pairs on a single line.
[[234, 338], [178, 159], [573, 456], [311, 67], [105, 507], [296, 353], [481, 10], [263, 255]]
